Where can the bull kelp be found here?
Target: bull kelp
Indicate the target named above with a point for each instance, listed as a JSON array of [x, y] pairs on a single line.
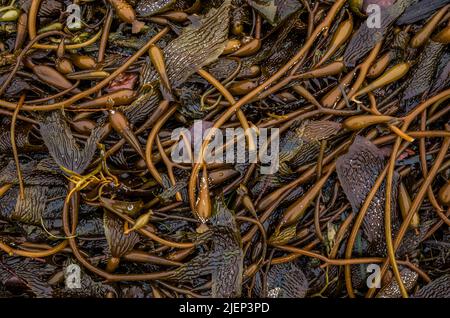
[[226, 148]]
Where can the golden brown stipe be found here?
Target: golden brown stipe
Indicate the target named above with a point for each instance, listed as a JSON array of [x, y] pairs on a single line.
[[126, 13], [341, 35], [118, 98], [203, 206], [404, 202], [380, 65], [157, 58], [424, 34], [50, 76], [444, 194], [121, 125], [393, 74]]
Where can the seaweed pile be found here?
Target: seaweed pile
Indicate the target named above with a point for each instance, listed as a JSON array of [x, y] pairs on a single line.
[[93, 203]]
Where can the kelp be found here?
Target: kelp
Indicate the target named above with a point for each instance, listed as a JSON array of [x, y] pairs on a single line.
[[26, 276], [422, 75], [141, 107], [24, 138], [125, 207], [30, 209], [357, 171], [47, 9], [275, 11], [148, 8], [391, 290], [437, 288], [88, 289], [40, 186], [224, 261], [35, 173], [420, 11], [301, 144], [283, 281], [195, 47], [367, 36], [441, 80], [62, 145], [119, 243]]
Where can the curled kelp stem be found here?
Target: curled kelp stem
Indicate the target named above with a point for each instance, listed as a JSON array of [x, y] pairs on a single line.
[[14, 146]]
